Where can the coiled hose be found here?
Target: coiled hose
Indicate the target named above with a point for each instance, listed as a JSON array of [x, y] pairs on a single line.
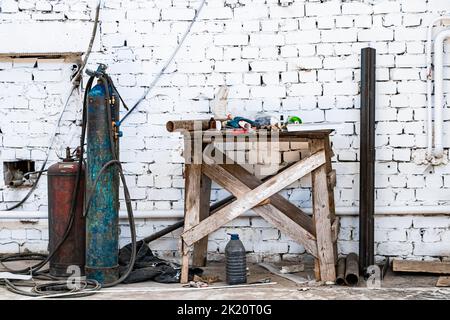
[[89, 286]]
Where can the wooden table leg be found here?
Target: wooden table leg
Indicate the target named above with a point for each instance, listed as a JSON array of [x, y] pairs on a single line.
[[201, 247], [331, 185], [193, 174], [322, 210], [324, 213]]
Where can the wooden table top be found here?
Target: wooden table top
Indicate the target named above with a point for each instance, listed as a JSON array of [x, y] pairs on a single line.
[[285, 135]]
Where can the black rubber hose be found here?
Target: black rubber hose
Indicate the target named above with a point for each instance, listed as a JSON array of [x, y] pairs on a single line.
[[45, 259], [87, 288], [116, 91]]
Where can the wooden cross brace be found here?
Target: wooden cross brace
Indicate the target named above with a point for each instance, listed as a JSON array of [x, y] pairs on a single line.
[[248, 198]]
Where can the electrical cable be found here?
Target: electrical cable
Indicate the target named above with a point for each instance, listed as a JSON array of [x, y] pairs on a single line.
[[75, 84], [44, 164], [166, 65], [77, 77]]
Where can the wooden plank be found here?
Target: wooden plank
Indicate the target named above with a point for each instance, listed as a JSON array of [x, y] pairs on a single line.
[[332, 179], [335, 229], [252, 198], [267, 212], [443, 282], [193, 173], [317, 145], [331, 184], [230, 135], [201, 247], [436, 267], [316, 269], [216, 136], [321, 207], [277, 200]]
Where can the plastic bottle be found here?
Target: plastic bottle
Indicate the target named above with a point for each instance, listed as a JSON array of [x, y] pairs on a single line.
[[236, 263]]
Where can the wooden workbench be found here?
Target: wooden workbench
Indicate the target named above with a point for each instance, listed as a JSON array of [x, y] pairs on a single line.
[[317, 233]]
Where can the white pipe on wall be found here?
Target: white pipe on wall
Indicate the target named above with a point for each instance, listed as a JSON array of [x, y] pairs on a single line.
[[439, 91], [430, 85], [178, 214]]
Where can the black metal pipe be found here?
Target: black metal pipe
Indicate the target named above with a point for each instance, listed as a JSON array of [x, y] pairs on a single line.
[[213, 209], [163, 232], [367, 159], [180, 223]]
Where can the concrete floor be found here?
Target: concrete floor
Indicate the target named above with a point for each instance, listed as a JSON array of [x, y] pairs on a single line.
[[394, 286]]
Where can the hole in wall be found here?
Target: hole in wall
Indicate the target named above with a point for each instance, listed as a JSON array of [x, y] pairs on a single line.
[[14, 172]]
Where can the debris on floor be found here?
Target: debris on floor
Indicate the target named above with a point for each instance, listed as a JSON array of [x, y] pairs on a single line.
[[206, 279], [293, 268], [196, 284], [276, 271]]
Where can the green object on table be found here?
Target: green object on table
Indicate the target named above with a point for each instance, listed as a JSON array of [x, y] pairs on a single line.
[[295, 120]]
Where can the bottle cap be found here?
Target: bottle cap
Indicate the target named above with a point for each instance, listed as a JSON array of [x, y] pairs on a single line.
[[234, 236]]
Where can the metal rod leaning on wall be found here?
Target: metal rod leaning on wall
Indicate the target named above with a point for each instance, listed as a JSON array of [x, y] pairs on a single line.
[[367, 159], [180, 223]]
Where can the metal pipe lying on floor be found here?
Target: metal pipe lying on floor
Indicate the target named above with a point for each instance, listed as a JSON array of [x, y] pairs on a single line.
[[16, 183], [351, 269]]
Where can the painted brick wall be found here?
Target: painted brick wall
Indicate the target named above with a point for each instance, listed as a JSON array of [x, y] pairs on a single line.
[[408, 236], [301, 59]]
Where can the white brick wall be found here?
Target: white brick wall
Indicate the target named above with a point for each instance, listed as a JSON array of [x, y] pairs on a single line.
[[406, 236], [302, 59]]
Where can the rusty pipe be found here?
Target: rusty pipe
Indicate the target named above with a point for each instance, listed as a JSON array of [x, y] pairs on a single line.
[[351, 269], [191, 125], [213, 209], [16, 183], [340, 277]]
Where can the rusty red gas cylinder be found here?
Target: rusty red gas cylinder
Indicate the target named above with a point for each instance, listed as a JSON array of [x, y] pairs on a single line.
[[61, 187]]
